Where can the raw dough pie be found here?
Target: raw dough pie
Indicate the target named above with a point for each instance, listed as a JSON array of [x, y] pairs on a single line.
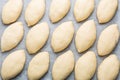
[[83, 9], [85, 66], [85, 36], [106, 10], [58, 9], [108, 40], [11, 11], [37, 37], [38, 66], [62, 36], [109, 68], [13, 65], [63, 66], [12, 36], [34, 12]]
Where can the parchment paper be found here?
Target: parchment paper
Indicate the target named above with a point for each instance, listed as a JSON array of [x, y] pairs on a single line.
[[47, 47]]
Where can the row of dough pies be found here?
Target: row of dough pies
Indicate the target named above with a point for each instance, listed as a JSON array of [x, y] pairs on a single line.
[[58, 9], [84, 68], [61, 37]]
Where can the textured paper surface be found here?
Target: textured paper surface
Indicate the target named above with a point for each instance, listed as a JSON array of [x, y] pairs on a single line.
[[47, 47]]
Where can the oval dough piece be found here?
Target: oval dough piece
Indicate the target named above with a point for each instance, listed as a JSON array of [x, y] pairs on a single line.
[[108, 40], [38, 66], [63, 66], [85, 36], [106, 13], [62, 34], [13, 64], [58, 9], [86, 66], [12, 36], [37, 37], [109, 68], [83, 9], [11, 11], [34, 12]]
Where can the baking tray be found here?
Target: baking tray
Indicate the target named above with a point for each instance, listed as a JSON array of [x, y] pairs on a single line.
[[47, 47]]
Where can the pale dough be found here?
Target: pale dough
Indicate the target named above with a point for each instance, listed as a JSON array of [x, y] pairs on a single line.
[[38, 66], [108, 40], [12, 36], [85, 66], [58, 9], [63, 66], [85, 36], [13, 64], [62, 36], [11, 11], [106, 10], [83, 9], [34, 11], [109, 68], [37, 37]]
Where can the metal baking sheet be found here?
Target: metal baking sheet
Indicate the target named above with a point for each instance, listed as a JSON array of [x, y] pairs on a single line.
[[47, 47]]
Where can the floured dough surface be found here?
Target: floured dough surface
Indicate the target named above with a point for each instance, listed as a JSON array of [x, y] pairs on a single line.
[[11, 11], [63, 66], [62, 34], [106, 10], [12, 36], [83, 9], [109, 68], [37, 37], [85, 36], [34, 12], [38, 66], [85, 66], [108, 40], [58, 9], [13, 64]]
